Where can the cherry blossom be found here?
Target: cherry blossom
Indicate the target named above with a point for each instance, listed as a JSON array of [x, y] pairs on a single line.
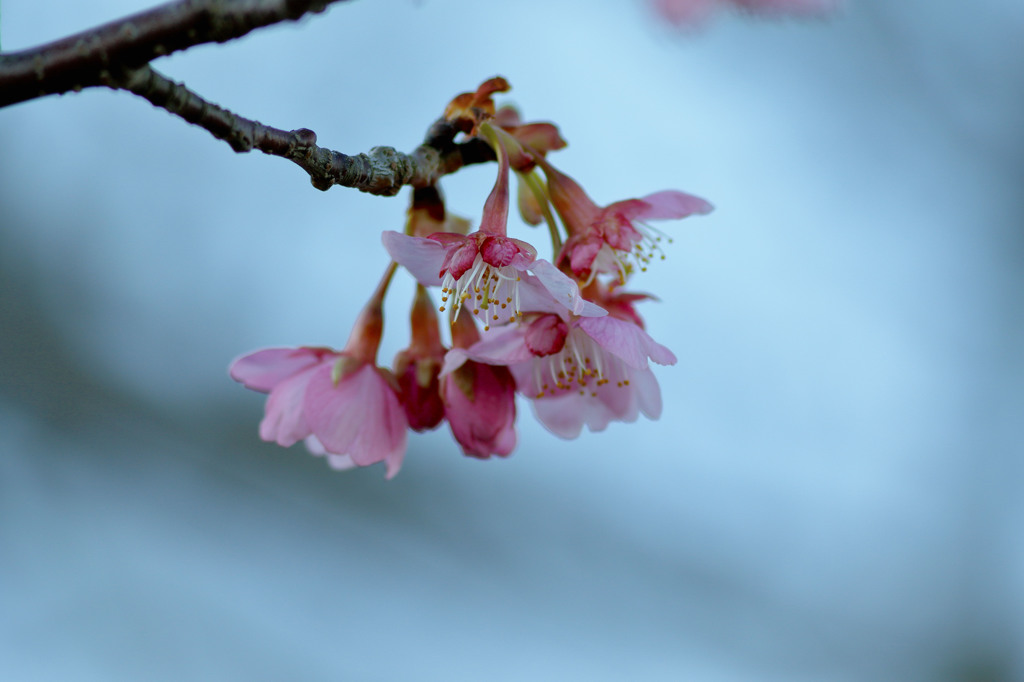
[[494, 276], [613, 238], [558, 332], [339, 401], [479, 400], [578, 370], [284, 373]]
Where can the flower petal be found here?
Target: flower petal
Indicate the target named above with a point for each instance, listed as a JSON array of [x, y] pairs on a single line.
[[420, 256], [546, 335], [671, 204], [648, 393], [284, 421], [564, 290], [562, 416], [360, 416], [501, 346], [626, 340], [264, 369], [480, 407]]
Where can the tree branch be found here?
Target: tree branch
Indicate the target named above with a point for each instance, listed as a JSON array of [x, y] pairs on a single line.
[[86, 59], [384, 171]]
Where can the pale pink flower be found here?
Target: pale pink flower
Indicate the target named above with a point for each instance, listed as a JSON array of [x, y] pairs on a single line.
[[339, 404], [578, 370], [487, 272], [696, 12], [339, 401], [479, 400], [494, 294], [613, 238], [284, 373], [356, 412]]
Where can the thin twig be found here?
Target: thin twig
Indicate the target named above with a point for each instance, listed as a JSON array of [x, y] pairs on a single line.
[[86, 59], [384, 171]]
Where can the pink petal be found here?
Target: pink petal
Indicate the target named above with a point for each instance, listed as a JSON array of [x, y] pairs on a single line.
[[505, 442], [542, 137], [447, 238], [627, 341], [546, 335], [648, 393], [454, 359], [264, 369], [565, 415], [284, 421], [480, 407], [626, 211], [360, 416], [525, 256], [562, 416], [619, 403], [498, 251], [421, 257], [386, 438], [459, 258], [501, 346], [672, 204], [582, 253], [564, 290]]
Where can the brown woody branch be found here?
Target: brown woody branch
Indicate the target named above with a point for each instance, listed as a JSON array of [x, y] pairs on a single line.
[[87, 58], [117, 55], [384, 171]]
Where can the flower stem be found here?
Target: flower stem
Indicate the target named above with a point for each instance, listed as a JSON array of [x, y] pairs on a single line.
[[382, 287], [533, 182]]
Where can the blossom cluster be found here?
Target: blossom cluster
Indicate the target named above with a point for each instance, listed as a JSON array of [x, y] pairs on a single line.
[[563, 333]]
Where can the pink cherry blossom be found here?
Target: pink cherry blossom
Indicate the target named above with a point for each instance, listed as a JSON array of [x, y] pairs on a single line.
[[613, 238], [357, 415], [339, 401], [479, 400], [497, 295], [487, 271], [578, 371], [480, 407], [284, 373]]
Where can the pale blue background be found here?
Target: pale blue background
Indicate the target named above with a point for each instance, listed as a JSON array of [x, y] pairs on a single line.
[[833, 493]]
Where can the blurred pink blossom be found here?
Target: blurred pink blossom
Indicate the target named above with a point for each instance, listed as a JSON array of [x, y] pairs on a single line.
[[695, 12], [345, 406]]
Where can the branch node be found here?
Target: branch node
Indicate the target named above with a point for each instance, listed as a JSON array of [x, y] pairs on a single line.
[[304, 139]]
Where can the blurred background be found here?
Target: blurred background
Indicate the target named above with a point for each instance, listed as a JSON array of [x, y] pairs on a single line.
[[834, 491]]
